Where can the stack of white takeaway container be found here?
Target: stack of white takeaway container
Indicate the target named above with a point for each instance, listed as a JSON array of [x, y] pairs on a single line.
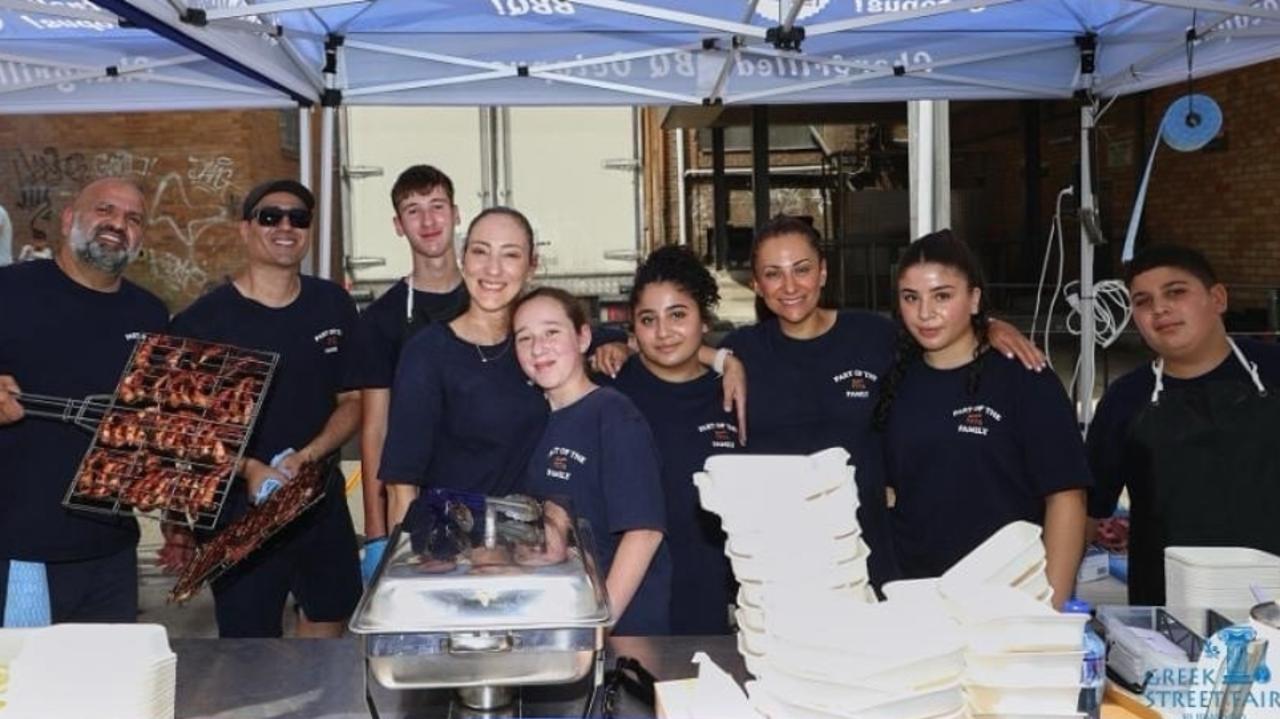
[[105, 671], [809, 627]]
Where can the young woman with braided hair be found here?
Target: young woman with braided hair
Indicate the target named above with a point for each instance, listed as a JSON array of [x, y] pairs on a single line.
[[973, 440]]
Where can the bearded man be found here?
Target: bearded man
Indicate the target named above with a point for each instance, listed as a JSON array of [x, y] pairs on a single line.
[[67, 331]]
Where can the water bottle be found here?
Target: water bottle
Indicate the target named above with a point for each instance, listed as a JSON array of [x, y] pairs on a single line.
[[1093, 670]]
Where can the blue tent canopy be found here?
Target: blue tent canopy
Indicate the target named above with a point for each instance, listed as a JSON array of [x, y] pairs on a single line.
[[620, 52], [74, 57]]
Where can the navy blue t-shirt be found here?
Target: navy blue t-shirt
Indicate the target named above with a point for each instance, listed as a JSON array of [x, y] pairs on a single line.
[[310, 334], [964, 465], [804, 396], [689, 424], [385, 326], [600, 453], [457, 421], [63, 339]]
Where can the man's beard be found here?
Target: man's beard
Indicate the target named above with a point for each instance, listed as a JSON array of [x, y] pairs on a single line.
[[108, 258]]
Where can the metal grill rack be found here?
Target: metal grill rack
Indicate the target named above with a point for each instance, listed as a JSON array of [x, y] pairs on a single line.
[[251, 530], [172, 434]]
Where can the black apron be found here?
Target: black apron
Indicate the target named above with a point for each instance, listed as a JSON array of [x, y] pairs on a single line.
[[415, 318], [1207, 474]]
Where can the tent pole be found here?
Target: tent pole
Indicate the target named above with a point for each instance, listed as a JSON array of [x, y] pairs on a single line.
[[306, 164], [920, 160], [306, 170], [929, 153], [681, 206], [1084, 389], [327, 118]]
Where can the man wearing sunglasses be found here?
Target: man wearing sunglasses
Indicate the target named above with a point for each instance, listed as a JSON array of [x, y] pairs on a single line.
[[69, 327], [308, 413]]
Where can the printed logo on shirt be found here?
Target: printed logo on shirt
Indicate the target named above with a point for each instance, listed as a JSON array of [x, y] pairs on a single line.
[[974, 419], [560, 461], [134, 336], [330, 340], [723, 435], [857, 383]]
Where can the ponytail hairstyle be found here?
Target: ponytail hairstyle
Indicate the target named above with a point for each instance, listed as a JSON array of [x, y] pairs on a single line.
[[943, 248], [777, 227]]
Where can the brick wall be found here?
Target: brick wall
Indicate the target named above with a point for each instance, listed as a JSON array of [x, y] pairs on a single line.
[[194, 168], [1221, 199]]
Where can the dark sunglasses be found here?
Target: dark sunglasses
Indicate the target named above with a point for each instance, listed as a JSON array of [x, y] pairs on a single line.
[[299, 217]]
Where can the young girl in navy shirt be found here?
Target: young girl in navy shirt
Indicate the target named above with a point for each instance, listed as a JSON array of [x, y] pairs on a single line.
[[597, 450], [671, 304], [973, 440]]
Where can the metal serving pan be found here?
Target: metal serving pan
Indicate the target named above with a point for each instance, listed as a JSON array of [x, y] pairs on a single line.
[[518, 608]]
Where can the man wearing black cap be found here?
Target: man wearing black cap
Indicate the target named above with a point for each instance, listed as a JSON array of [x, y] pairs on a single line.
[[307, 415]]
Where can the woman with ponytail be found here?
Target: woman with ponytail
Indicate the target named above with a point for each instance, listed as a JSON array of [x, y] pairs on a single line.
[[813, 374], [973, 440]]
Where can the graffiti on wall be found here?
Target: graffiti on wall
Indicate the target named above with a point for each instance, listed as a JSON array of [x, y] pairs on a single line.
[[191, 235]]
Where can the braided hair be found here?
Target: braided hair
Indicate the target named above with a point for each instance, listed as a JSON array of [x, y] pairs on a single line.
[[943, 248], [679, 266]]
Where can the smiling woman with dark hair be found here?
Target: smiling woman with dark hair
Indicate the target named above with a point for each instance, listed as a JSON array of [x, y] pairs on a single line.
[[973, 441], [462, 413]]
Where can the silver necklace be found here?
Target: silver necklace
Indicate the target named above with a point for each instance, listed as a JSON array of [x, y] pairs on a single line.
[[506, 345]]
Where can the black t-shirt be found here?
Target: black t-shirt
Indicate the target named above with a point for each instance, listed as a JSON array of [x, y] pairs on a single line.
[[458, 421], [310, 334], [964, 465], [689, 424], [804, 396], [600, 453], [63, 339], [386, 324]]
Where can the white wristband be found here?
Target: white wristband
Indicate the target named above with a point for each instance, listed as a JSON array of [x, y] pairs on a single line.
[[717, 363]]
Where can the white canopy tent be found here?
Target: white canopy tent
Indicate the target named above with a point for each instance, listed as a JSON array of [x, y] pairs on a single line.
[[673, 52]]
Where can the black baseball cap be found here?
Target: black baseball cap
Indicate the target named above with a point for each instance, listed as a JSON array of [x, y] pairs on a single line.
[[293, 187]]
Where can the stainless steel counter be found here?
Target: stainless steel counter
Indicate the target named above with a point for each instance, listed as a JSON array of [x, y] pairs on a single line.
[[324, 679], [270, 679]]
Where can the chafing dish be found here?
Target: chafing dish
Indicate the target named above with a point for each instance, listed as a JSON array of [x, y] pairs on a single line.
[[488, 599]]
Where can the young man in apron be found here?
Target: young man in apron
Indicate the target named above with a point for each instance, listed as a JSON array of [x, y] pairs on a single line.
[[1191, 435], [426, 216]]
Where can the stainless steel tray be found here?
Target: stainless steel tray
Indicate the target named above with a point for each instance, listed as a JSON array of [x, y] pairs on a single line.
[[507, 586], [518, 608]]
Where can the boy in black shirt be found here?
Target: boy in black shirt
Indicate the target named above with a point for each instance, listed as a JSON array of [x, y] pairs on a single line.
[[1192, 435]]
